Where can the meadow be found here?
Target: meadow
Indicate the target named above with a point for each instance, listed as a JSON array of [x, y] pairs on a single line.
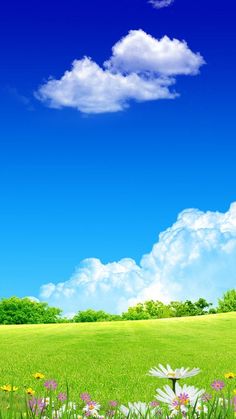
[[111, 360]]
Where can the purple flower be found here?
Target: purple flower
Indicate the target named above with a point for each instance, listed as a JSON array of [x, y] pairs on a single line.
[[218, 385], [62, 397], [36, 406], [206, 397], [113, 403], [85, 397], [50, 384], [154, 403]]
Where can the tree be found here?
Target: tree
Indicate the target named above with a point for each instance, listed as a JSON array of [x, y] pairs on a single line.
[[228, 302], [89, 316], [16, 310], [177, 309], [188, 308], [157, 309], [137, 312], [202, 306]]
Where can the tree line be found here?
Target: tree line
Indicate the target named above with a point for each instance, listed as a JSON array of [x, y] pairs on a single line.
[[16, 310]]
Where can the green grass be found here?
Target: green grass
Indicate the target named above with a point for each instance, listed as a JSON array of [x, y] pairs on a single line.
[[111, 360]]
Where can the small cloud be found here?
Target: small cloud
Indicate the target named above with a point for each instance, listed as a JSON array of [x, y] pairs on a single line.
[[195, 257], [140, 69], [160, 4]]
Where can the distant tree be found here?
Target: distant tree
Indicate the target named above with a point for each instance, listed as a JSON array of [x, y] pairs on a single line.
[[64, 320], [151, 308], [202, 306], [157, 309], [228, 302], [212, 311], [89, 316], [16, 310], [137, 312], [115, 318], [177, 308], [188, 308]]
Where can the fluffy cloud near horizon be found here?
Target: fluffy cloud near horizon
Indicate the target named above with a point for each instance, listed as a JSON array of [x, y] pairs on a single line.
[[195, 257], [141, 68], [159, 4]]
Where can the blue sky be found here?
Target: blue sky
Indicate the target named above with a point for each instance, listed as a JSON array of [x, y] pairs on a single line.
[[83, 185]]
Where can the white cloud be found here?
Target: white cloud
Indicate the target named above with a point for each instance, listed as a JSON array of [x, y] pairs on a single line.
[[140, 53], [159, 4], [195, 257], [141, 69], [90, 89]]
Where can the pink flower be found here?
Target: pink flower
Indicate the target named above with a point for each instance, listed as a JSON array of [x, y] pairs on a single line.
[[50, 384], [218, 385], [37, 406], [183, 398], [154, 403], [85, 397], [206, 397], [113, 403], [62, 397]]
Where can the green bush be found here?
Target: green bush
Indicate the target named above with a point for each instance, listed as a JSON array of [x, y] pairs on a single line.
[[158, 310], [228, 302], [90, 315], [16, 310]]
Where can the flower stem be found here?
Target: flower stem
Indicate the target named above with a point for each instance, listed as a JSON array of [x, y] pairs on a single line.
[[173, 384]]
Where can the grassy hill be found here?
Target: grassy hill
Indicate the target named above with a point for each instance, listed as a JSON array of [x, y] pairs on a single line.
[[111, 360]]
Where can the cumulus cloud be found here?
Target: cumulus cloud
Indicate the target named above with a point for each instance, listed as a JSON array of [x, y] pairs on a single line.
[[140, 69], [90, 89], [195, 257], [140, 53], [159, 4]]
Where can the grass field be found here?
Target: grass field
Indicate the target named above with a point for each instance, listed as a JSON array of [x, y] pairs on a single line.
[[111, 360]]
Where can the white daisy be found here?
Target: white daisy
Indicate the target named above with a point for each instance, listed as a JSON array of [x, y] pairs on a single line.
[[92, 408], [171, 374], [181, 399]]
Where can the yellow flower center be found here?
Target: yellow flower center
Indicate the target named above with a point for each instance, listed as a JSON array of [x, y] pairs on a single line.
[[171, 374]]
